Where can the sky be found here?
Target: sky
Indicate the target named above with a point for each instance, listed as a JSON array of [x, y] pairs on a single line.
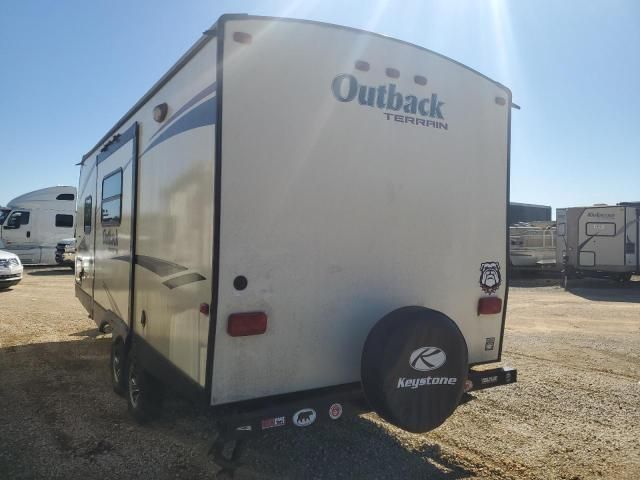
[[70, 69]]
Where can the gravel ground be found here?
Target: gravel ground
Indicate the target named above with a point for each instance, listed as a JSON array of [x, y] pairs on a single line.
[[573, 414]]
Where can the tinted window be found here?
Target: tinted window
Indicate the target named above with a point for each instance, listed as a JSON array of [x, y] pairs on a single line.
[[111, 212], [18, 218], [112, 198], [88, 205], [66, 196], [64, 221], [112, 185]]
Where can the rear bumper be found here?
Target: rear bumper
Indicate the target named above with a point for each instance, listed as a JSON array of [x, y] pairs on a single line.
[[278, 413], [494, 377]]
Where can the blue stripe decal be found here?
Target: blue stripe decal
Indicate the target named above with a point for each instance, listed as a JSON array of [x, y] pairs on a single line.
[[204, 93], [203, 114]]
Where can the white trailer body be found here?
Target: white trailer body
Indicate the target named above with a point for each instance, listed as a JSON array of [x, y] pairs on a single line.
[[316, 176], [599, 240], [36, 221]]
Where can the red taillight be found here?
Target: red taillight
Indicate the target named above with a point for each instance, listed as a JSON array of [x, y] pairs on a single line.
[[489, 305], [243, 324]]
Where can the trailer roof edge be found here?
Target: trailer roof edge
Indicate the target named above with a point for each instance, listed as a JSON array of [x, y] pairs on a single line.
[[195, 48], [212, 33]]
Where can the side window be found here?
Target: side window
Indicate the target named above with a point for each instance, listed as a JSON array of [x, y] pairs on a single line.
[[18, 218], [88, 205], [65, 221], [596, 229], [112, 198], [66, 196]]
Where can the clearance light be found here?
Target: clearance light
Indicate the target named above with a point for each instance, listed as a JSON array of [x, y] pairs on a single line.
[[242, 37], [468, 385], [244, 324], [489, 305]]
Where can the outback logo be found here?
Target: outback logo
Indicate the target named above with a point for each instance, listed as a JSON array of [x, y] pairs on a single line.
[[601, 215], [414, 383], [304, 418], [427, 358], [426, 112], [490, 278]]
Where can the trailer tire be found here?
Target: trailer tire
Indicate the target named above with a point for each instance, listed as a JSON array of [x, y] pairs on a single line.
[[144, 392], [119, 367], [399, 381]]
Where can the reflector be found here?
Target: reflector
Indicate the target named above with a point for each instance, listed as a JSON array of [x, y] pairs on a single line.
[[244, 324], [489, 305]]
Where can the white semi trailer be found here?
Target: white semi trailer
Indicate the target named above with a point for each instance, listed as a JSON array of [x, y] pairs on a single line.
[[599, 241], [33, 224], [281, 225]]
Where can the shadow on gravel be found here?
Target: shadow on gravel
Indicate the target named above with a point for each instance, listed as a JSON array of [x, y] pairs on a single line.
[[49, 272], [60, 415], [603, 290], [534, 279]]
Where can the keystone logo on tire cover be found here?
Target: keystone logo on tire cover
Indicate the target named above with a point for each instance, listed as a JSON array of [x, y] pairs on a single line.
[[427, 358]]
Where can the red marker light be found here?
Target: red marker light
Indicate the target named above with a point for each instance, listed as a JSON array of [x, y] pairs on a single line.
[[244, 324], [489, 305], [204, 308]]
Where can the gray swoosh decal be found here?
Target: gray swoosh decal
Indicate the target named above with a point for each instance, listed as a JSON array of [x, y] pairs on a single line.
[[183, 280], [158, 266], [203, 114], [204, 93]]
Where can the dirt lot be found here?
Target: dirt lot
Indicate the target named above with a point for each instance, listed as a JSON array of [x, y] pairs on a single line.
[[575, 412]]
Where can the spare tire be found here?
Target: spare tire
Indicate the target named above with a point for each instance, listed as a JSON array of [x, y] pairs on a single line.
[[414, 365]]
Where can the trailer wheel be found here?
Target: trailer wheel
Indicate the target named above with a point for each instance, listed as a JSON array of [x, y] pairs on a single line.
[[119, 367], [414, 365], [145, 393]]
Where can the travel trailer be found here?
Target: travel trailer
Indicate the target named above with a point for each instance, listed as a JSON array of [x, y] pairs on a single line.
[[280, 227], [35, 222], [533, 245], [599, 241]]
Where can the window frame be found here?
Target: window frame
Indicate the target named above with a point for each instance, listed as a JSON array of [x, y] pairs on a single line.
[[111, 223]]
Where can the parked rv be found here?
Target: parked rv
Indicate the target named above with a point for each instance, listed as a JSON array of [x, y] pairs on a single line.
[[599, 241], [280, 228], [533, 245], [35, 222], [10, 270]]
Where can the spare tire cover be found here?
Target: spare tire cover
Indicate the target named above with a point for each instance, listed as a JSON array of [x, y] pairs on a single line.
[[414, 364]]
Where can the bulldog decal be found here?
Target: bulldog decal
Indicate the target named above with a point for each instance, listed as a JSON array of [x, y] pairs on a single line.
[[490, 278]]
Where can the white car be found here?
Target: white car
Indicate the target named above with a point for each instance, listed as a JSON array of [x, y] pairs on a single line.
[[10, 270]]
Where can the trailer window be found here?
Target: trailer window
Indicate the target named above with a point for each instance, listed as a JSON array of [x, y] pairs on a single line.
[[66, 196], [600, 229], [112, 198], [65, 221], [88, 206]]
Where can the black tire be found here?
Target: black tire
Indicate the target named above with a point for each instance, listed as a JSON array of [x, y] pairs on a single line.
[[144, 393], [414, 365], [118, 367]]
